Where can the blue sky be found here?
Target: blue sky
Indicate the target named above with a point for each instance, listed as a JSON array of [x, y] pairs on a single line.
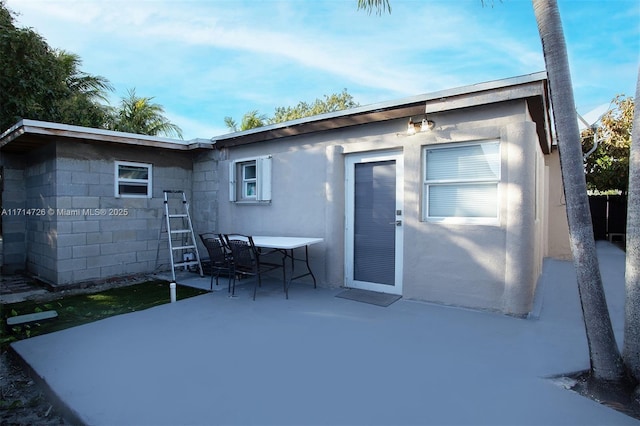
[[204, 60]]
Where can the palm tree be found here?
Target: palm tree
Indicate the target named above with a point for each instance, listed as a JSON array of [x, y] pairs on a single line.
[[250, 120], [80, 82], [606, 362], [82, 104], [139, 115], [631, 347]]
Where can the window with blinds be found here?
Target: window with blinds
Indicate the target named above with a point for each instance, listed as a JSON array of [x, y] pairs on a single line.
[[461, 183]]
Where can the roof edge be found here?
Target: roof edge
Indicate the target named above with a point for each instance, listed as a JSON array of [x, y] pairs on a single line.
[[387, 105], [46, 128]]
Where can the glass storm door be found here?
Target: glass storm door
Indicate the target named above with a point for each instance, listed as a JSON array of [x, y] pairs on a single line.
[[374, 221]]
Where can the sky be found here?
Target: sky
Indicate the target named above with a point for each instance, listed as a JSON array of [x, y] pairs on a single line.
[[204, 60]]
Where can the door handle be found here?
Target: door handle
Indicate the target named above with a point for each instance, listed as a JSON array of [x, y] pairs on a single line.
[[396, 223]]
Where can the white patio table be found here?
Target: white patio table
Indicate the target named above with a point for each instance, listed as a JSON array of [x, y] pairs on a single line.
[[286, 246]]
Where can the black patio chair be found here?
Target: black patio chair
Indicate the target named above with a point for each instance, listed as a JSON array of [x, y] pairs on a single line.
[[247, 261], [221, 259]]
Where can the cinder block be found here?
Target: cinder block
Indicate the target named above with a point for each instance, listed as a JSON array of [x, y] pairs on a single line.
[[99, 237], [86, 274], [150, 213], [64, 253], [86, 251], [123, 224], [149, 255], [112, 271], [149, 234], [124, 236], [85, 226], [66, 240], [63, 202], [82, 177], [73, 264], [63, 226], [12, 237], [72, 164], [104, 167], [85, 202], [77, 190], [100, 190]]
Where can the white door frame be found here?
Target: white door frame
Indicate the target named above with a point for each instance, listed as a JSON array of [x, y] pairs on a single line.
[[368, 157]]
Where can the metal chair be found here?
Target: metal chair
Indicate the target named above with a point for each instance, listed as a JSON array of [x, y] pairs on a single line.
[[221, 260], [246, 261]]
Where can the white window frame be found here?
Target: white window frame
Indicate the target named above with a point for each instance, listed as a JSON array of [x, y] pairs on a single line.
[[147, 182], [249, 185], [238, 182], [428, 184]]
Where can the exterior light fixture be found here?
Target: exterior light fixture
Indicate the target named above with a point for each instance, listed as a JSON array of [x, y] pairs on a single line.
[[411, 128], [423, 126], [427, 125]]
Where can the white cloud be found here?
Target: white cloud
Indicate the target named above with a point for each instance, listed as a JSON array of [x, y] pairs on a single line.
[[228, 57]]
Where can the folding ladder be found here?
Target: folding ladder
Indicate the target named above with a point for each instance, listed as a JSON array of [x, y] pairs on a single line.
[[176, 223]]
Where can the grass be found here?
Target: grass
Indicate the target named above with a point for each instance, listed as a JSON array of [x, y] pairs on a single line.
[[80, 309]]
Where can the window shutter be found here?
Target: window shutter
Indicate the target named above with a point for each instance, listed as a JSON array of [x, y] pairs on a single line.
[[232, 181], [263, 165]]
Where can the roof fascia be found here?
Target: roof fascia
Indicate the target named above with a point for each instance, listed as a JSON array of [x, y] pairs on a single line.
[[473, 95], [43, 128]]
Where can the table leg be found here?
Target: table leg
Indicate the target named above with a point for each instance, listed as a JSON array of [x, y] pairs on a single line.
[[306, 262]]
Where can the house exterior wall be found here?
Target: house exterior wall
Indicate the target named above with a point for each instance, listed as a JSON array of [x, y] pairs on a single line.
[[204, 205], [70, 181], [491, 267], [41, 229], [558, 245], [13, 223]]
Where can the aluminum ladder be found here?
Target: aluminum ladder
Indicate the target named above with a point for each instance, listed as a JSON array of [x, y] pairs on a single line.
[[176, 223]]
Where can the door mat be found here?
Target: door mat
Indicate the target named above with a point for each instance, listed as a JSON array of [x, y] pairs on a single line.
[[371, 297]]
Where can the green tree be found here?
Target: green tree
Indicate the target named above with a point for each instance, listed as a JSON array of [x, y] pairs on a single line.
[[31, 81], [40, 83], [330, 103], [140, 115], [606, 361], [607, 167], [82, 104]]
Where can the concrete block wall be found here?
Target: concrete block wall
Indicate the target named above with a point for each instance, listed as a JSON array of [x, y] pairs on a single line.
[[40, 177], [13, 216], [87, 234], [80, 232], [206, 183], [104, 236]]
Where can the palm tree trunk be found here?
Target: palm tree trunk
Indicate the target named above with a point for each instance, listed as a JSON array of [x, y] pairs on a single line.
[[606, 362], [631, 349]]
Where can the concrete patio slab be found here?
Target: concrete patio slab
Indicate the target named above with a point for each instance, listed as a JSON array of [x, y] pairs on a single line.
[[321, 360]]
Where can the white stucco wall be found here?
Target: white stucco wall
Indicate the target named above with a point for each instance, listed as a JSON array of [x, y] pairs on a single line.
[[558, 243], [480, 266]]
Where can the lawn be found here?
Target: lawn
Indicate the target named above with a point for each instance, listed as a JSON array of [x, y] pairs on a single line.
[[74, 310]]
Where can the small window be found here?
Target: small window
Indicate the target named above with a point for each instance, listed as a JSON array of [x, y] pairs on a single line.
[[250, 180], [461, 183], [133, 180]]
